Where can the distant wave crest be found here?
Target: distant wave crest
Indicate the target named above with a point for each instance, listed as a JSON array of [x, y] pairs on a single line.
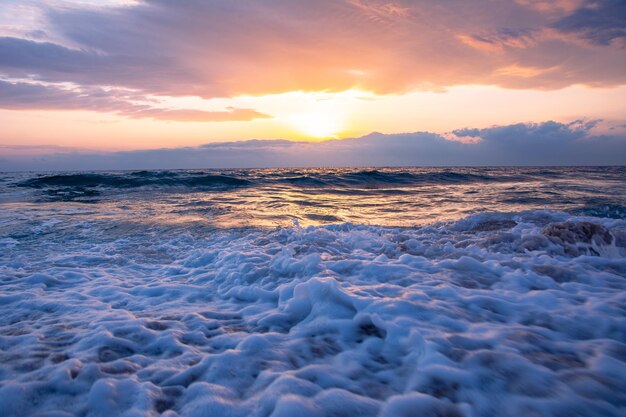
[[135, 180], [363, 178], [376, 178]]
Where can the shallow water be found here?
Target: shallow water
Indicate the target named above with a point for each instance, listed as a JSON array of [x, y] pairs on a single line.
[[476, 292]]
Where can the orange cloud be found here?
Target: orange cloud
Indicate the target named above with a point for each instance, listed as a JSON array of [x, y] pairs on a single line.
[[499, 42], [521, 71], [229, 48], [189, 115]]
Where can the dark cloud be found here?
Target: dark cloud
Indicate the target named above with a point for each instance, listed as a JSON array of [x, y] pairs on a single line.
[[21, 56], [222, 48], [29, 96], [548, 143], [600, 22]]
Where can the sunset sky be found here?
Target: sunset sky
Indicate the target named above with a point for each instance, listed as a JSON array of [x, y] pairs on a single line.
[[121, 75]]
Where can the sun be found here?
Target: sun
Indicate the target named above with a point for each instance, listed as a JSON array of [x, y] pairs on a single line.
[[318, 124]]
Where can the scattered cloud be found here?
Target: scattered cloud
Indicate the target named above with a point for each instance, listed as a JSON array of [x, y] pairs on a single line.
[[520, 71], [499, 42], [380, 11], [36, 96]]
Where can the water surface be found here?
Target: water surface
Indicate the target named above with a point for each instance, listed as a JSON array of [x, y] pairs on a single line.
[[320, 292]]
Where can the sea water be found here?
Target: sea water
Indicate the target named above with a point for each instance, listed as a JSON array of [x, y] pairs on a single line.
[[314, 292]]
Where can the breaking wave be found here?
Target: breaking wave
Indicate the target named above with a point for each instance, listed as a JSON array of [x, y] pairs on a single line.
[[314, 292], [511, 314]]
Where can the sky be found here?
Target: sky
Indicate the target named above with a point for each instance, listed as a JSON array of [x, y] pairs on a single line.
[[150, 83]]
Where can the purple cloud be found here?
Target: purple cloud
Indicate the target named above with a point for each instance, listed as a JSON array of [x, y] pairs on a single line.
[[29, 96], [223, 48]]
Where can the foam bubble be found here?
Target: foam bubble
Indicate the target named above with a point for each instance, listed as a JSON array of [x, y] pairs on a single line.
[[486, 316]]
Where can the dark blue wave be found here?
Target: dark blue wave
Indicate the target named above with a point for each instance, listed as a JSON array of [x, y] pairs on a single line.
[[135, 180], [73, 186], [314, 179], [589, 191], [376, 179]]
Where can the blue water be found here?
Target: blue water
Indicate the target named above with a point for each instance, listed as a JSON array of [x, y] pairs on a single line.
[[277, 197], [473, 292]]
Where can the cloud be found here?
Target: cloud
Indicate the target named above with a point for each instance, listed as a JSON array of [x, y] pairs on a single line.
[[34, 96], [601, 22], [379, 12], [219, 48], [559, 6], [33, 150], [231, 114], [501, 41], [548, 143], [519, 71]]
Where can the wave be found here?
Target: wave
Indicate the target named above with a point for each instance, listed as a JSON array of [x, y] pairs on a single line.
[[608, 210], [366, 178], [377, 178], [135, 180], [418, 192], [516, 311]]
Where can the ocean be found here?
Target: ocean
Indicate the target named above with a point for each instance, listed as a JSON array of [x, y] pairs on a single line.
[[314, 292]]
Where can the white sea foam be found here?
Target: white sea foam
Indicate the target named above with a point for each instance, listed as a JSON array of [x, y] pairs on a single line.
[[487, 316]]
